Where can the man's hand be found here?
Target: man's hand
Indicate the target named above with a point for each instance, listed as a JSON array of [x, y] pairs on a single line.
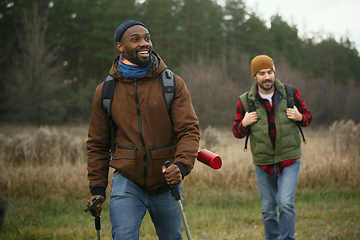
[[97, 211], [249, 119], [172, 174], [294, 114]]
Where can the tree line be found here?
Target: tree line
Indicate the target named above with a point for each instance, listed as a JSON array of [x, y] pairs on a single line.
[[53, 53]]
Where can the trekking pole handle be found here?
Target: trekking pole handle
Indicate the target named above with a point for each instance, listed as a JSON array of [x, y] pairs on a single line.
[[95, 202], [97, 223], [174, 189], [93, 206], [97, 219]]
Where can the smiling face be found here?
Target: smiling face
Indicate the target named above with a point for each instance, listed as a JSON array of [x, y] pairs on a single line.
[[135, 45], [265, 79]]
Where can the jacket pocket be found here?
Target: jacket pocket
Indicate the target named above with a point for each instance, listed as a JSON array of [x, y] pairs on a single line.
[[124, 160], [125, 152], [160, 154]]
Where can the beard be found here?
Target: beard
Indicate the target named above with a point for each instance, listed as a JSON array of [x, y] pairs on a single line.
[[267, 88], [144, 64], [141, 63]]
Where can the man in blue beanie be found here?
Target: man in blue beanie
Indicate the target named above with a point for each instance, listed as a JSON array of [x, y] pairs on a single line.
[[146, 135]]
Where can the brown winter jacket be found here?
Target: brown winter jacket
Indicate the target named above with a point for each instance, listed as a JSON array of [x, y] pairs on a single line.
[[144, 135]]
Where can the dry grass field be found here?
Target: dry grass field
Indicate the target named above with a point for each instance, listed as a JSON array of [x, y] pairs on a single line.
[[53, 160], [331, 157], [50, 163]]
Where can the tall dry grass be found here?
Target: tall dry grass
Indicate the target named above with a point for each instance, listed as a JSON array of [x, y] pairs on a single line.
[[42, 161], [345, 137], [330, 158], [52, 161], [42, 146]]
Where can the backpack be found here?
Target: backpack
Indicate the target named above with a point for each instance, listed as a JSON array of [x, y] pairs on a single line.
[[289, 89], [167, 79]]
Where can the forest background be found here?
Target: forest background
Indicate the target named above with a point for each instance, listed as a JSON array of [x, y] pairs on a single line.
[[54, 53]]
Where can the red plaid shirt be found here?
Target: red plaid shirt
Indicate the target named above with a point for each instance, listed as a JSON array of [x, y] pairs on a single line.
[[240, 131]]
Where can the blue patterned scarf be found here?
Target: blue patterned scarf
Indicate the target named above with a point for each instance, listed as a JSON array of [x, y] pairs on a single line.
[[129, 69]]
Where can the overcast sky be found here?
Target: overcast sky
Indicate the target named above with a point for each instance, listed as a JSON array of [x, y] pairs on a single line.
[[340, 18]]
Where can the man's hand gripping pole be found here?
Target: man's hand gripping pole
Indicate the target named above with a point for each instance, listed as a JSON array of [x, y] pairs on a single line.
[[176, 194], [97, 218]]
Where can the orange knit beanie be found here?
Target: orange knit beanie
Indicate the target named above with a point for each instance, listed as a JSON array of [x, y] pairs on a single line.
[[261, 62]]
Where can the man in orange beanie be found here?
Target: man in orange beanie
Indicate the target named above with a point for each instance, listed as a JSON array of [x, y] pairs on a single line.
[[263, 114]]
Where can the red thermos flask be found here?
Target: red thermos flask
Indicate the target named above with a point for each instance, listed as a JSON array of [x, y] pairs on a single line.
[[209, 158]]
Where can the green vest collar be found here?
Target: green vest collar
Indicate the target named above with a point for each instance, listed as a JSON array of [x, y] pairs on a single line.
[[253, 90]]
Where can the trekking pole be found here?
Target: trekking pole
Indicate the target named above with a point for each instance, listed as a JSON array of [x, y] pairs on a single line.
[[97, 219], [176, 194]]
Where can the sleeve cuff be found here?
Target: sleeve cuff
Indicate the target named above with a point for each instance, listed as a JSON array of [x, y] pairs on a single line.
[[244, 129], [183, 168], [98, 191]]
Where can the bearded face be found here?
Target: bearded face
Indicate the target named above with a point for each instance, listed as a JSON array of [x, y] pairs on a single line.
[[136, 45], [265, 79]]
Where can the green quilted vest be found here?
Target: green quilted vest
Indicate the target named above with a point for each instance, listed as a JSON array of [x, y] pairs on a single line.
[[288, 142]]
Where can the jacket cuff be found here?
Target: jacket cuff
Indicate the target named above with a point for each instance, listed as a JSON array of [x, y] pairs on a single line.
[[183, 168], [98, 191]]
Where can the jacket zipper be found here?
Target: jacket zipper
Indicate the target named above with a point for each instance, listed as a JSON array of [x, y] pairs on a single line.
[[127, 147], [163, 146], [140, 130]]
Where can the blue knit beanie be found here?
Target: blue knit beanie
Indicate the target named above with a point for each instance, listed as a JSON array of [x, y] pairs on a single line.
[[125, 25]]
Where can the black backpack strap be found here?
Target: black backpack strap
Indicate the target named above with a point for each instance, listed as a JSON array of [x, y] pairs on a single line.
[[251, 104], [290, 104], [107, 99], [289, 95], [246, 141], [167, 79], [251, 108]]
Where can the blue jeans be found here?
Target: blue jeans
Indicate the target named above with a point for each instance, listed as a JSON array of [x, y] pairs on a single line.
[[128, 204], [278, 191]]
